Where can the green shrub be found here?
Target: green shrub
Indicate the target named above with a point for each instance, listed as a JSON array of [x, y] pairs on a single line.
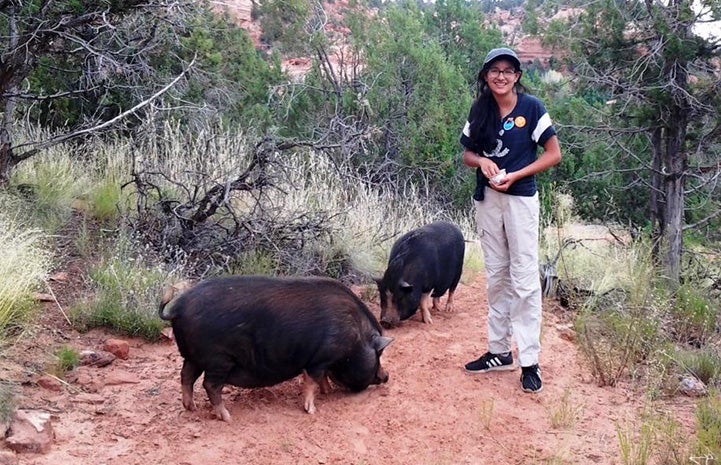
[[126, 296], [708, 424], [704, 364], [51, 182], [614, 342], [66, 359], [692, 317], [104, 201]]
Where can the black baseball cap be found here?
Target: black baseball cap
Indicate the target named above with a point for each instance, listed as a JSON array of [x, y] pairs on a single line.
[[502, 52]]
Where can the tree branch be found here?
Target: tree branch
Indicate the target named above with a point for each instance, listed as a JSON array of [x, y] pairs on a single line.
[[38, 146]]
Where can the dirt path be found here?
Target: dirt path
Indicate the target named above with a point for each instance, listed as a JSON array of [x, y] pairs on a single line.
[[430, 411]]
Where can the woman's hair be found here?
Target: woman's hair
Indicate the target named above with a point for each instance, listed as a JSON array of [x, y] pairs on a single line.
[[484, 119]]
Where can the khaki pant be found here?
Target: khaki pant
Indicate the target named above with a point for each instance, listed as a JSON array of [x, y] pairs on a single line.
[[508, 229]]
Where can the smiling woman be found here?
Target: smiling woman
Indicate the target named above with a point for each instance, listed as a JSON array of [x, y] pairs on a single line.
[[500, 139]]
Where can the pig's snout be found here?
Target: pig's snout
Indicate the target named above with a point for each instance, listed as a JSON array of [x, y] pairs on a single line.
[[389, 318], [381, 376]]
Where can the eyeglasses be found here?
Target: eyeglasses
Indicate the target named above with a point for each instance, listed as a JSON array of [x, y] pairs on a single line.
[[495, 72]]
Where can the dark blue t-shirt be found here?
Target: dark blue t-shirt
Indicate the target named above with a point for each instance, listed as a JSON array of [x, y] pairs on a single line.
[[526, 127]]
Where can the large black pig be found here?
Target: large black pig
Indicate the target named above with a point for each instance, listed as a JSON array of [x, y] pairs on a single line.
[[254, 331], [423, 263]]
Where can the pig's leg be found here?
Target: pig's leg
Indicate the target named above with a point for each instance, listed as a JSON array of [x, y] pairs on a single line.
[[309, 386], [437, 303], [426, 308], [324, 385], [449, 301], [188, 375], [213, 383]]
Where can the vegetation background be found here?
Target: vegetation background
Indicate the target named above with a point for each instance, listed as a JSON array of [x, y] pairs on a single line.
[[158, 142]]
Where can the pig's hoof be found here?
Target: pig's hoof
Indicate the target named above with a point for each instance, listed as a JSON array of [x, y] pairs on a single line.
[[310, 407], [222, 413], [189, 405]]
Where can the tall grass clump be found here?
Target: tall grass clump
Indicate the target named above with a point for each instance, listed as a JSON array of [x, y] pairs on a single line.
[[51, 182], [24, 264], [127, 288], [704, 364], [708, 435], [565, 412], [618, 322], [107, 201], [693, 316], [635, 446]]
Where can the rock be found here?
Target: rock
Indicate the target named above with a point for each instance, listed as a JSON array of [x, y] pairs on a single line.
[[692, 387], [83, 376], [118, 347], [50, 383], [96, 358], [121, 377], [41, 297], [60, 276], [30, 431], [8, 458], [566, 332]]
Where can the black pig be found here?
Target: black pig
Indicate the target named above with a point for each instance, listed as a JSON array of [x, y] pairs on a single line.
[[426, 259], [254, 331]]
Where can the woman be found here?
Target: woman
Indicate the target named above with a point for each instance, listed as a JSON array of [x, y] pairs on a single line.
[[501, 137]]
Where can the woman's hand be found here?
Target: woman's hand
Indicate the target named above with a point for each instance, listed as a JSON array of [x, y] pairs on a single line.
[[488, 168], [504, 183]]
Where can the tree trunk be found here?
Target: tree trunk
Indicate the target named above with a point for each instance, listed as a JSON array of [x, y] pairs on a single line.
[[7, 158], [673, 153], [657, 199], [676, 162]]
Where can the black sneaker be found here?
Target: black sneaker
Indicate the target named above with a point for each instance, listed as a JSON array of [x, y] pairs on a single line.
[[491, 362], [531, 378]]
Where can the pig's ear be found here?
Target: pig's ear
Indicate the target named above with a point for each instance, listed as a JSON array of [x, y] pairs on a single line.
[[405, 287], [381, 342]]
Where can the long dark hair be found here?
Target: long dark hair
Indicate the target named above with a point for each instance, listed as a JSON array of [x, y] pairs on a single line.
[[485, 118]]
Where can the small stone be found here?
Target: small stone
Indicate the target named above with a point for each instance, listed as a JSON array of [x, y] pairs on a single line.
[[41, 297], [120, 377], [60, 276], [692, 387], [50, 383], [117, 347], [566, 332], [95, 358]]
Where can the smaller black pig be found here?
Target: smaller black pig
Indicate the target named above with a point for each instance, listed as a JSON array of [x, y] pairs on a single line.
[[255, 331], [426, 259]]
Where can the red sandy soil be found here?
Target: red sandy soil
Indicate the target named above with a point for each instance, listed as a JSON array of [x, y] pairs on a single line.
[[430, 411]]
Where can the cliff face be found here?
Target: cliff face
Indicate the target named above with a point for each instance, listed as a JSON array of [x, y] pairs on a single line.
[[240, 11], [530, 50]]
